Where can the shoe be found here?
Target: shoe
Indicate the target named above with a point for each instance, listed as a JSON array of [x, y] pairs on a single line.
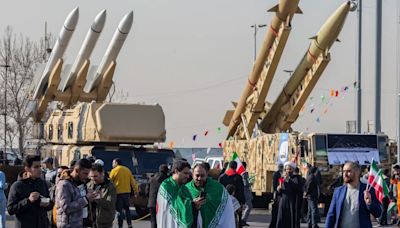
[[245, 224]]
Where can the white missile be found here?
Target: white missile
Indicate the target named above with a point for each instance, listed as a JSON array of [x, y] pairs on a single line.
[[112, 50], [58, 51], [87, 47]]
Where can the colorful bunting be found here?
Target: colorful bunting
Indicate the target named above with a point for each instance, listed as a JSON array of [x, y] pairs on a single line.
[[219, 129], [337, 93], [194, 137], [220, 145], [208, 150], [205, 133]]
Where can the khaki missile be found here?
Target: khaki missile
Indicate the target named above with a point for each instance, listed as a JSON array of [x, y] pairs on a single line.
[[283, 11], [321, 43]]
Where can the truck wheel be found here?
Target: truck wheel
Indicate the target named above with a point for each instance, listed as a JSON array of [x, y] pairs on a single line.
[[141, 211]]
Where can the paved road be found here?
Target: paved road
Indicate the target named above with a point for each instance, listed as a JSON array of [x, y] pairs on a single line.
[[258, 218]]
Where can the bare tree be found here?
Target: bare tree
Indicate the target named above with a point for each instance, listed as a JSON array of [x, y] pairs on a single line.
[[23, 57]]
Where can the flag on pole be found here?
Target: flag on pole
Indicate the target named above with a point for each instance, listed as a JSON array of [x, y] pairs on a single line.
[[373, 173], [376, 180], [240, 168]]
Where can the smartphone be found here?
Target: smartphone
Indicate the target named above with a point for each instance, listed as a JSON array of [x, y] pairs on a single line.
[[203, 195]]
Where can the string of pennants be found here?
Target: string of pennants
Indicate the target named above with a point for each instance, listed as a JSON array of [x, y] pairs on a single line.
[[322, 104], [195, 137]]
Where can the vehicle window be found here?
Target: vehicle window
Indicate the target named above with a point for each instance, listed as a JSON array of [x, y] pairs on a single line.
[[149, 162], [320, 145], [109, 156]]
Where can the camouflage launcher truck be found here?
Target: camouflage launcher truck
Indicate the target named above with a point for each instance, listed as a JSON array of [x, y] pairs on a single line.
[[261, 132], [83, 124]]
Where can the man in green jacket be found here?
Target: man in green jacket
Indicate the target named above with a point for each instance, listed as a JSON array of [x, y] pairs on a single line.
[[217, 211], [103, 206]]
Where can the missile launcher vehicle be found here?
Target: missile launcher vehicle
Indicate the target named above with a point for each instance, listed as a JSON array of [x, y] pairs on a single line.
[[261, 132], [83, 125]]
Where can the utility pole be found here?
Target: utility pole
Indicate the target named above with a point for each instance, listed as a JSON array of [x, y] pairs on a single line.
[[6, 66], [256, 27], [359, 62], [378, 64]]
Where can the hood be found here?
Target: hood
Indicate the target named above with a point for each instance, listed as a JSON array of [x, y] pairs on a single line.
[[230, 172]]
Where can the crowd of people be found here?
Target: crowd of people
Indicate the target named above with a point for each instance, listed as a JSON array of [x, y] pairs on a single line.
[[85, 195], [190, 197], [81, 195]]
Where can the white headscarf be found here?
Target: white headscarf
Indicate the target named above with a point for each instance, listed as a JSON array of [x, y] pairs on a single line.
[[291, 164]]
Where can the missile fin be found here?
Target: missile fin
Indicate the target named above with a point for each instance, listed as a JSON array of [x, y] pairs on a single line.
[[337, 40], [299, 11], [234, 103], [274, 9], [313, 37], [228, 117]]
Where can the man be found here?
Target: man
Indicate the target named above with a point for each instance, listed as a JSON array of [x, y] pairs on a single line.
[[103, 206], [28, 198], [155, 182], [175, 205], [275, 183], [218, 209], [248, 205], [50, 172], [352, 204], [126, 185], [311, 193], [71, 205], [289, 190]]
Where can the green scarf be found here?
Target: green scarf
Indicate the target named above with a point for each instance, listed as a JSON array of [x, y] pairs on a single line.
[[216, 198], [179, 200]]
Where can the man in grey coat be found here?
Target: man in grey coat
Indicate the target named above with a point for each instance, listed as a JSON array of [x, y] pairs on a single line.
[[70, 204], [248, 205]]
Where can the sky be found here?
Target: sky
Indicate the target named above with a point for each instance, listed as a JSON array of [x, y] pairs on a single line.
[[194, 57]]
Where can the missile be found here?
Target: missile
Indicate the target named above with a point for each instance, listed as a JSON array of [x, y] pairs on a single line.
[[285, 9], [58, 51], [321, 43], [87, 47], [112, 50]]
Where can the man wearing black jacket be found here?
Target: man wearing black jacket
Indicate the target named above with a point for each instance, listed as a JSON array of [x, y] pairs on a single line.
[[29, 198], [311, 192], [155, 182]]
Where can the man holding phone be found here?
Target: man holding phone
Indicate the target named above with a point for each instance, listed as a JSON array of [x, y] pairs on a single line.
[[214, 196], [103, 205]]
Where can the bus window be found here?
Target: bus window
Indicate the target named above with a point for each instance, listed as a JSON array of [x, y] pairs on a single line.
[[383, 153], [320, 145]]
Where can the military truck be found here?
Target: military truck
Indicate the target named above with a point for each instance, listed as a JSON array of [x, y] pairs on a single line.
[[107, 131], [261, 132]]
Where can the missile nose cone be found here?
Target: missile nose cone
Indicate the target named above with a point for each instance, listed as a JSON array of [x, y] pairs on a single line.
[[72, 19], [99, 21], [126, 23], [332, 27]]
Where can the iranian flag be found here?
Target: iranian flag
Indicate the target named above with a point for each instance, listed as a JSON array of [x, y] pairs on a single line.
[[240, 168], [376, 180]]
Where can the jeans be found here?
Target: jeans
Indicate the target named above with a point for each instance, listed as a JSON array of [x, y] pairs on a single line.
[[123, 204], [247, 208], [313, 214], [3, 204]]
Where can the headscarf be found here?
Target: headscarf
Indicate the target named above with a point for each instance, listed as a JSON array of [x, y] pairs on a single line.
[[291, 164]]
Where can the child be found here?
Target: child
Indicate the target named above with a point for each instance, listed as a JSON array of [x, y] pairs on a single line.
[[236, 205]]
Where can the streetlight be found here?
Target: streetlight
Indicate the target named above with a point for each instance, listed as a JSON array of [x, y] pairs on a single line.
[[256, 27], [6, 66]]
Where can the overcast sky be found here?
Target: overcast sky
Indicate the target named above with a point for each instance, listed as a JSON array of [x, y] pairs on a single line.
[[193, 57]]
